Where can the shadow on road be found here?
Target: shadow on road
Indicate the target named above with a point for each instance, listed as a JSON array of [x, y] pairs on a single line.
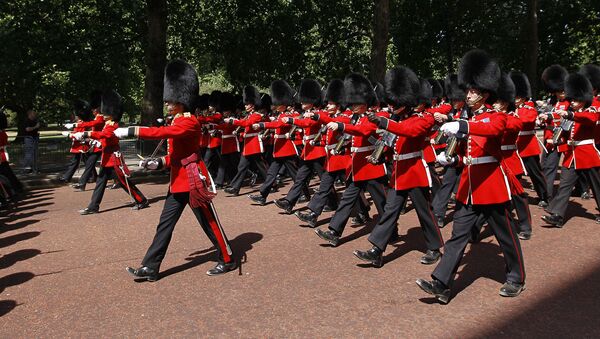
[[240, 246]]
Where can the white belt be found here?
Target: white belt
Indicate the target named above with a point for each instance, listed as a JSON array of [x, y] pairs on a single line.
[[407, 156], [598, 122], [508, 147], [309, 137], [248, 135], [580, 142], [362, 149], [225, 136], [478, 161], [330, 146], [280, 136], [532, 132]]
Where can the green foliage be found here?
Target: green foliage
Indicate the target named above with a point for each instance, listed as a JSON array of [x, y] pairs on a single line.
[[54, 51]]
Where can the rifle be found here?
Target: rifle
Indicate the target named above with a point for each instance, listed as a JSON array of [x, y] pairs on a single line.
[[387, 139], [339, 147]]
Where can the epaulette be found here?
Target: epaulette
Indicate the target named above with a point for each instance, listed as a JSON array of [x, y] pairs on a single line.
[[527, 106], [187, 114], [593, 109], [110, 122]]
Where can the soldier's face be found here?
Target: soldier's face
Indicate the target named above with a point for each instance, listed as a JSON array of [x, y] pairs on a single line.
[[500, 106], [457, 104], [249, 107], [560, 95], [173, 108], [280, 108], [576, 105], [475, 97], [359, 108], [306, 107], [332, 107], [519, 101]]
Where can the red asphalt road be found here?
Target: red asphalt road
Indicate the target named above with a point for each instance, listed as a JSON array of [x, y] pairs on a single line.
[[62, 275]]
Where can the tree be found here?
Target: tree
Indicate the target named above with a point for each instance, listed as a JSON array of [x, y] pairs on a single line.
[[155, 60], [381, 28], [532, 44]]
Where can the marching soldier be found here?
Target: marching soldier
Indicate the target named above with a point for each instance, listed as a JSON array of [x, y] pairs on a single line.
[[95, 153], [190, 179], [411, 175], [362, 175], [483, 190], [528, 145], [581, 158], [112, 163], [212, 155], [285, 153], [230, 145], [592, 72], [78, 149]]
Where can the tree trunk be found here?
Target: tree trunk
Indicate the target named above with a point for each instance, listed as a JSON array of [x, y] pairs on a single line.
[[532, 45], [381, 29], [155, 59]]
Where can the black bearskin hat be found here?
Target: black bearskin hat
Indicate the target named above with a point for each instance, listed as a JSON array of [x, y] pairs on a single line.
[[214, 100], [112, 105], [592, 72], [282, 93], [437, 89], [265, 102], [553, 78], [425, 92], [227, 102], [95, 99], [181, 84], [335, 91], [579, 88], [80, 105], [310, 92], [379, 94], [202, 102], [358, 90], [522, 85], [506, 90], [478, 70], [251, 96], [402, 87], [452, 89]]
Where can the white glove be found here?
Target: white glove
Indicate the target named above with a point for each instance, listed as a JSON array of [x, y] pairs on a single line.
[[96, 143], [450, 128], [69, 126], [442, 160], [121, 132], [78, 136], [150, 164]]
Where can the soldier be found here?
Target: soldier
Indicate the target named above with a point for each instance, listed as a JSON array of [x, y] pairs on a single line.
[[483, 190], [112, 163], [411, 175], [528, 145], [285, 153], [581, 158], [212, 155], [363, 175], [553, 78], [252, 154], [592, 72], [78, 149], [230, 145], [5, 169], [190, 179], [312, 156], [451, 176], [95, 153]]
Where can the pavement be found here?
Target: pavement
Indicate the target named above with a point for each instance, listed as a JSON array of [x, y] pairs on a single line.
[[63, 275]]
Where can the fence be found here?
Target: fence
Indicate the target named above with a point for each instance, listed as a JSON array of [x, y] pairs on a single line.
[[53, 154]]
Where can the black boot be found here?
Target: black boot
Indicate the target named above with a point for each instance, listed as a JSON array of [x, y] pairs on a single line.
[[511, 289], [285, 205], [309, 217], [234, 192], [222, 268], [431, 257], [554, 220], [258, 198], [374, 256], [435, 287], [329, 236], [143, 272]]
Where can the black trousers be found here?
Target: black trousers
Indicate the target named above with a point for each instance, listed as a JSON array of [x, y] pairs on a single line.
[[465, 218], [90, 168], [73, 165], [107, 173], [568, 179], [212, 158], [302, 178], [274, 169], [386, 226], [550, 167], [255, 160], [521, 206], [375, 187], [435, 179], [448, 186], [172, 209], [534, 171], [6, 171], [326, 191], [227, 168]]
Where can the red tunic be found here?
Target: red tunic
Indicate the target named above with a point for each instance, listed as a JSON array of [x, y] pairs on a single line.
[[283, 145], [110, 143], [549, 131], [596, 104], [209, 123], [76, 145], [483, 183], [229, 141], [96, 125], [310, 130], [183, 137], [527, 142], [510, 154], [335, 162], [3, 144], [363, 143], [581, 151], [428, 150], [252, 142], [410, 169]]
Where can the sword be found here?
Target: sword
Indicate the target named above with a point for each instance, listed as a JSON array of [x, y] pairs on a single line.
[[122, 167]]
